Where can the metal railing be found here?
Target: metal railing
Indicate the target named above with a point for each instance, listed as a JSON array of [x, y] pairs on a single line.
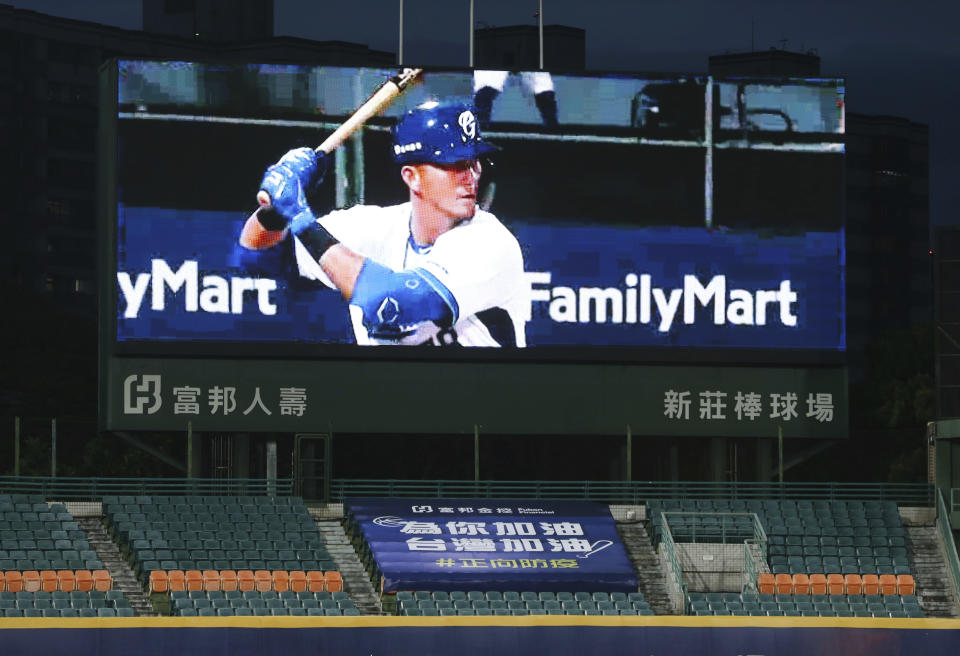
[[712, 527], [946, 534], [954, 499], [633, 492], [94, 489], [754, 564], [613, 492], [676, 588]]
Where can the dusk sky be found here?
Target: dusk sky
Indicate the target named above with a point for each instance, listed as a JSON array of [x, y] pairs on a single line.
[[899, 58]]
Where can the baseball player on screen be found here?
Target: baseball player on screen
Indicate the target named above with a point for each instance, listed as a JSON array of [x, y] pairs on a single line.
[[434, 270]]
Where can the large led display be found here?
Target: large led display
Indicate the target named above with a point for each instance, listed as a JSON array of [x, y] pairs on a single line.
[[512, 210]]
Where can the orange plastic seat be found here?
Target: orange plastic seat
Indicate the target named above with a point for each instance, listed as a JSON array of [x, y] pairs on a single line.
[[31, 581], [906, 585], [84, 580], [835, 585], [211, 580], [765, 583], [3, 582], [102, 581], [159, 582], [246, 580], [888, 584], [784, 583], [49, 581], [67, 580], [315, 581], [818, 584], [334, 582], [853, 583], [871, 584], [228, 580], [801, 584], [177, 580], [298, 581], [194, 580], [14, 581], [262, 580], [281, 580]]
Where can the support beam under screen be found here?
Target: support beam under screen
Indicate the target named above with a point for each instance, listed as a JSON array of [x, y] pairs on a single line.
[[708, 155]]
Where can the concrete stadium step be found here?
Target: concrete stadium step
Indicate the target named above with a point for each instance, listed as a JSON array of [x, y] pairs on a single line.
[[645, 562], [355, 579], [109, 553], [928, 559]]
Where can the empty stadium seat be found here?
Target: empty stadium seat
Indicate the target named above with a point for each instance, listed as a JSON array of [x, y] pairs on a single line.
[[888, 584], [784, 583], [801, 583], [211, 579], [835, 584], [853, 583], [101, 580], [159, 582], [871, 584], [334, 583], [818, 584], [66, 580], [298, 581], [193, 580], [31, 581], [906, 584], [766, 583], [228, 580], [262, 580]]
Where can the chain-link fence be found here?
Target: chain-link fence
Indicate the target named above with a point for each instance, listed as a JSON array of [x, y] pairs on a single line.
[[712, 552]]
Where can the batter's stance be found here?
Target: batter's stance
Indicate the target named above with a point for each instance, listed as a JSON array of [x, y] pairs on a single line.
[[434, 270]]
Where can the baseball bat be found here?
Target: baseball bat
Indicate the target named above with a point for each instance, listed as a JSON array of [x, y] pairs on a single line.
[[382, 97]]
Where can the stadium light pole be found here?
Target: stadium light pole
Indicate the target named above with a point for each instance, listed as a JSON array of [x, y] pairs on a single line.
[[471, 33]]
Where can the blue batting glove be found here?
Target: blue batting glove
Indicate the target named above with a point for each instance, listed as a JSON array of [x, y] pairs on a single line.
[[286, 183]]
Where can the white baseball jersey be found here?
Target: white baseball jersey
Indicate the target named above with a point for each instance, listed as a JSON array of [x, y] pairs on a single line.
[[479, 262]]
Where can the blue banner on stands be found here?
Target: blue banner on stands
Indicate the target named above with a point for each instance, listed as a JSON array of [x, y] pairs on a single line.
[[503, 544]]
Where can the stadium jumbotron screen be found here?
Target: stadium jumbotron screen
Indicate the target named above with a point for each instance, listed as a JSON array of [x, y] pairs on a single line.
[[489, 209]]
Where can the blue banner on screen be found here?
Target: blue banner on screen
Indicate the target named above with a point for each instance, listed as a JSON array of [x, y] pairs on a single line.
[[589, 285], [473, 544], [479, 208]]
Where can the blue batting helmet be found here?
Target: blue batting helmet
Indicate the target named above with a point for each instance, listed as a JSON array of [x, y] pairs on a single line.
[[438, 134]]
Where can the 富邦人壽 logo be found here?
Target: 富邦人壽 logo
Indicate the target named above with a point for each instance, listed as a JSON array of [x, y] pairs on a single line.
[[141, 394]]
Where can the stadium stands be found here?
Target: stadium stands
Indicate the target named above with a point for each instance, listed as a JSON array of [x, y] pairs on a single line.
[[811, 605], [59, 603], [215, 539], [225, 556], [863, 538], [43, 552], [36, 536], [205, 603], [475, 602]]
